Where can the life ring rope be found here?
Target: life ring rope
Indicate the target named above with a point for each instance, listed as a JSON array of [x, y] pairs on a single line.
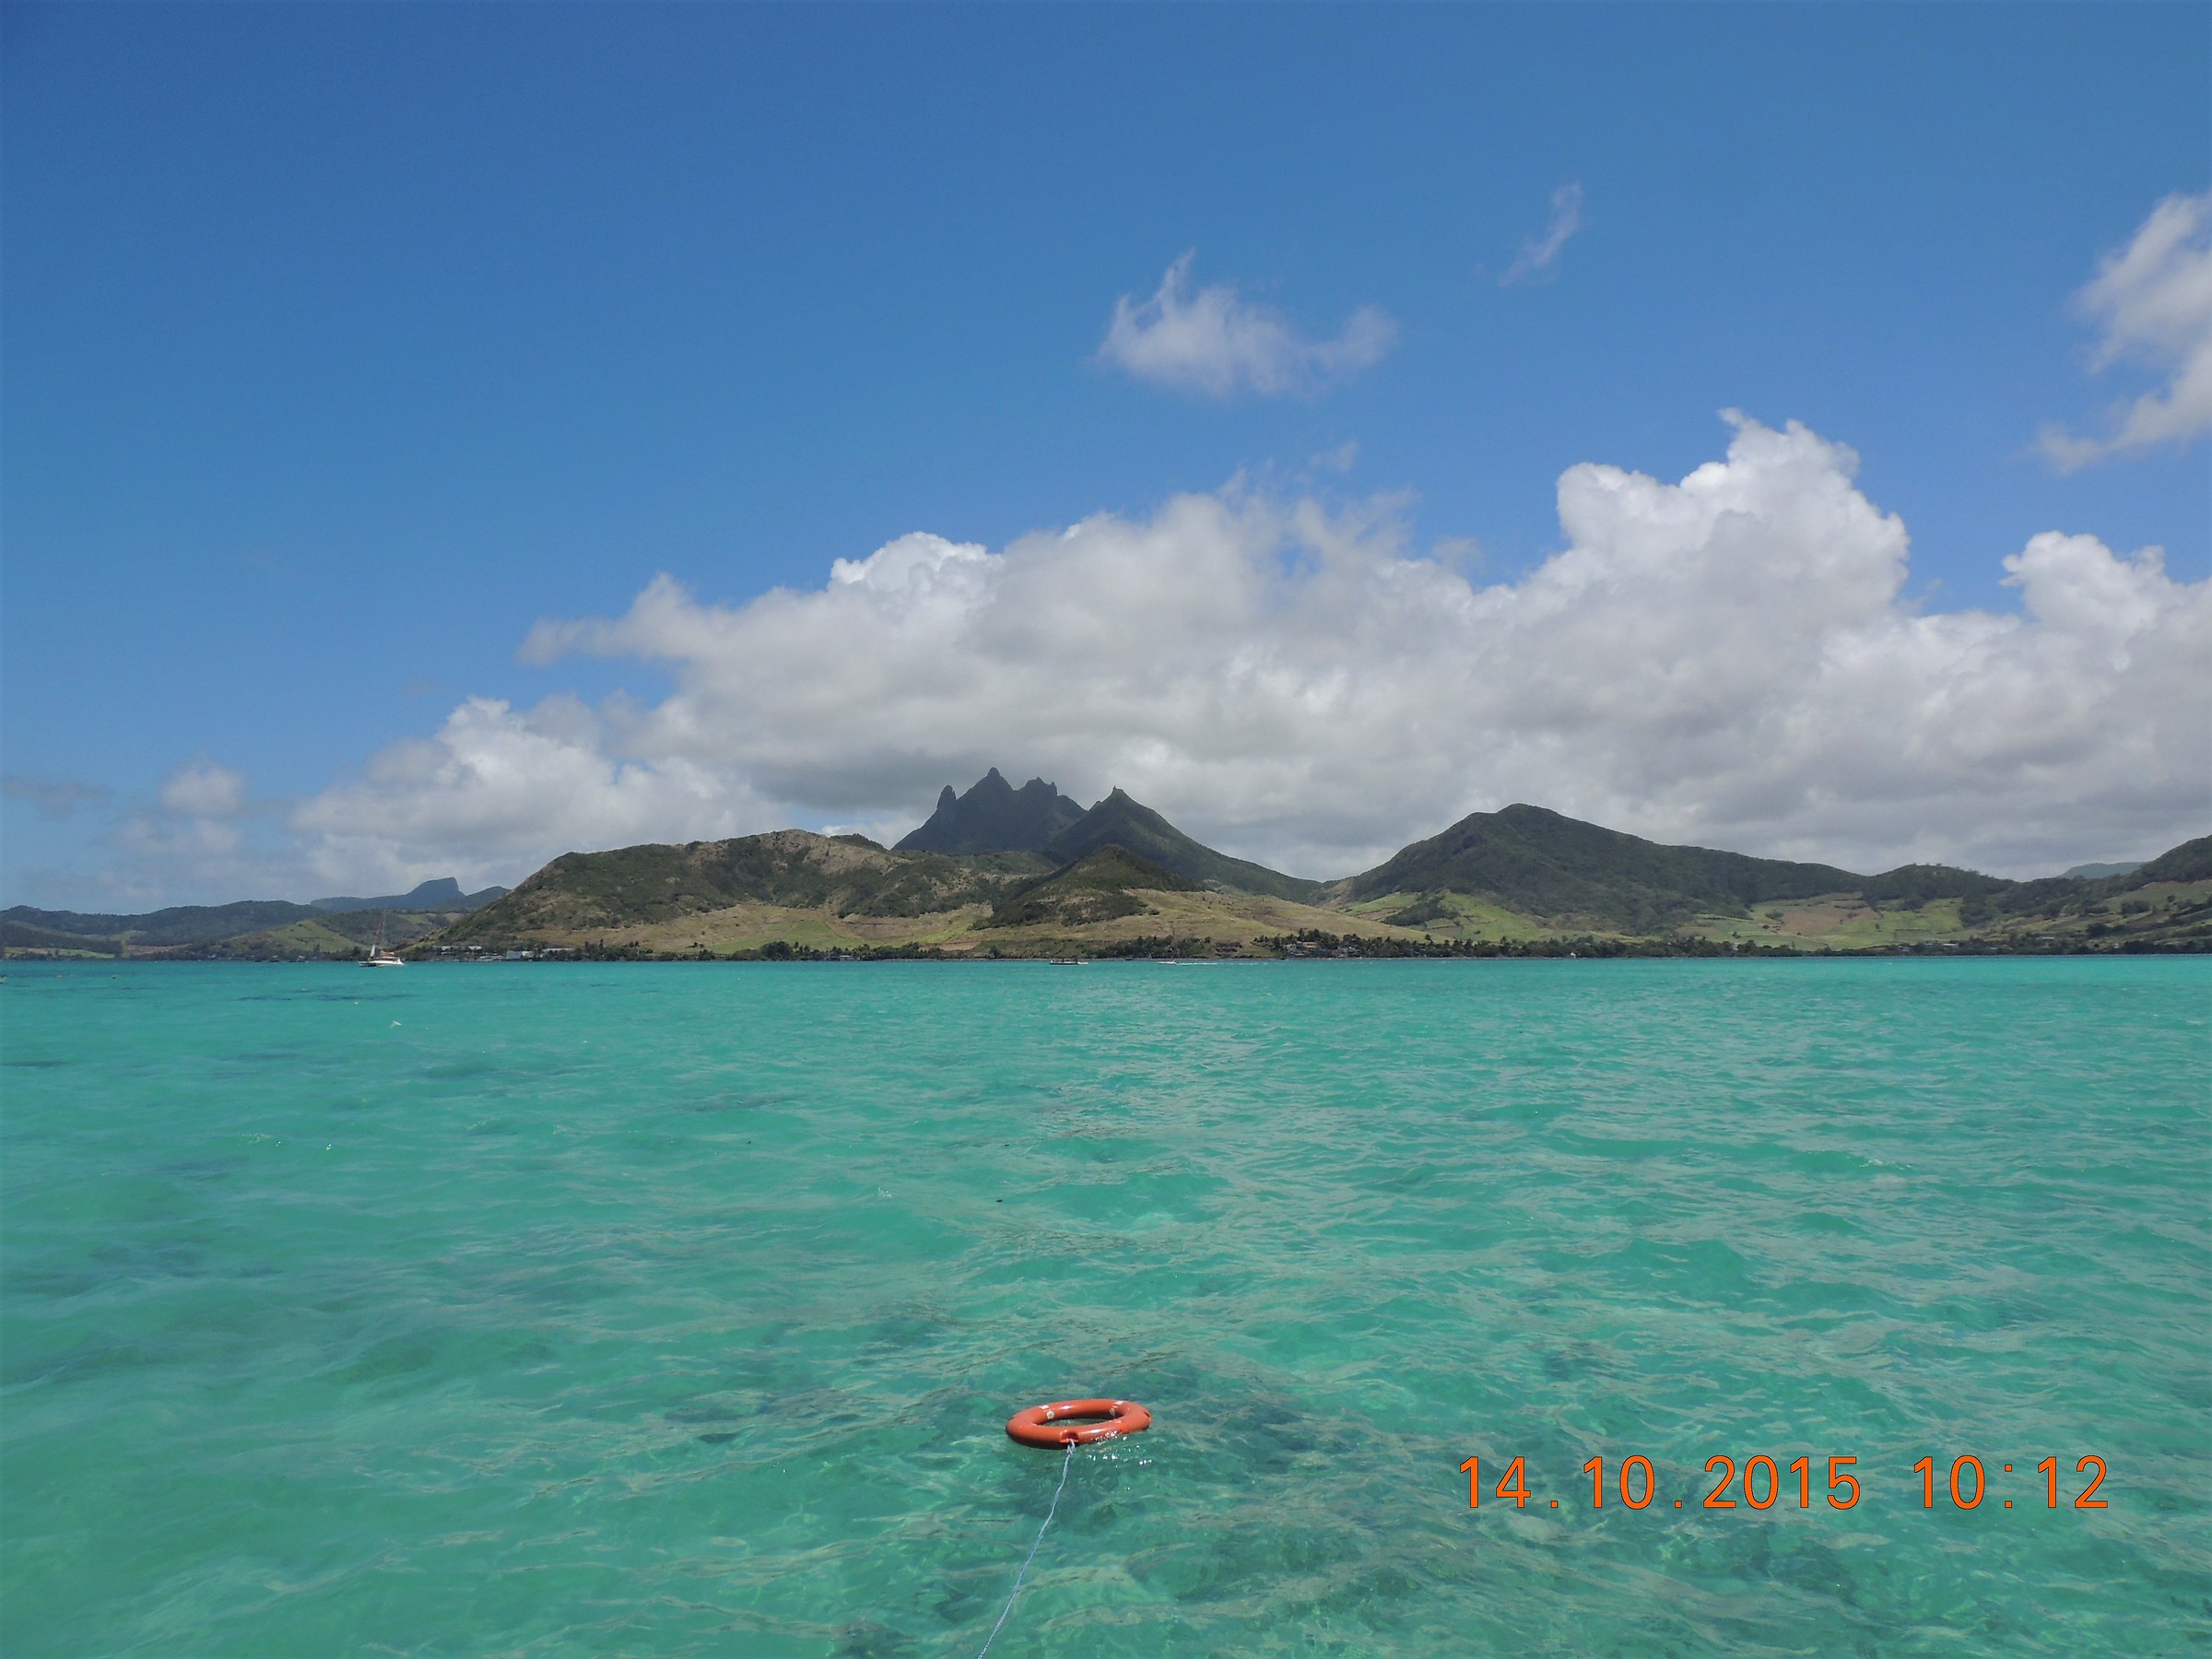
[[1066, 1464]]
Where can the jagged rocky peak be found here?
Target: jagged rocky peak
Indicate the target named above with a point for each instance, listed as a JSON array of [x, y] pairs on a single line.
[[994, 817]]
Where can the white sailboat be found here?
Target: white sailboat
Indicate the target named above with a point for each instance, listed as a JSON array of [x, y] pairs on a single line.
[[378, 956]]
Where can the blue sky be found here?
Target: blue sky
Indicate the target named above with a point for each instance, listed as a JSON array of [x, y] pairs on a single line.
[[343, 345]]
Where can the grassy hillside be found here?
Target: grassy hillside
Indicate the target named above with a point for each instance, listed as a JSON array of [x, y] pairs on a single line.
[[1118, 821], [2192, 861], [339, 935], [790, 870], [1526, 873], [251, 927], [1181, 920], [1099, 887], [183, 925], [1543, 864], [253, 930], [795, 892], [28, 937]]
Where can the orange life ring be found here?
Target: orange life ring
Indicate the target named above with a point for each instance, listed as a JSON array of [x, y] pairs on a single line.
[[1042, 1425]]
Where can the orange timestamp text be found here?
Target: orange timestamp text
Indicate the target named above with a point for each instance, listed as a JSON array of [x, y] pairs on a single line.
[[1762, 1482]]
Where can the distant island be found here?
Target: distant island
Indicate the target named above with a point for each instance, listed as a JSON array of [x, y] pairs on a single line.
[[1001, 872], [253, 929]]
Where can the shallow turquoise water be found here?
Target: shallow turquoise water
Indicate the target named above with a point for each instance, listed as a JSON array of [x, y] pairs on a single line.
[[675, 1309]]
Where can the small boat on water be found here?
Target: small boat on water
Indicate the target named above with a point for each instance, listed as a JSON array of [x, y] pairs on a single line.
[[378, 956]]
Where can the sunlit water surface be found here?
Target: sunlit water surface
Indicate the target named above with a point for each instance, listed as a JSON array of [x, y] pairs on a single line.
[[548, 1311]]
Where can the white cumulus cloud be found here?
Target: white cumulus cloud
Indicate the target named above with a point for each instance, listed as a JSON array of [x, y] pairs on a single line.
[[497, 792], [1219, 344], [1539, 255], [2153, 302], [1729, 659]]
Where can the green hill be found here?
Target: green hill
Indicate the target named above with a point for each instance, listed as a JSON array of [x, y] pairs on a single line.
[[28, 936], [1918, 884], [179, 924], [788, 869], [1119, 821], [251, 928], [2192, 861], [339, 934], [1545, 863], [1531, 862], [1096, 887]]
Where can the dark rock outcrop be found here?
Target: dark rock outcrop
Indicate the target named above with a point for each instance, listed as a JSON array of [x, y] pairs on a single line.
[[994, 817]]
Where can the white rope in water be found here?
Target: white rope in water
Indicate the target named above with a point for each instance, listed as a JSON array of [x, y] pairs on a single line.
[[1066, 1464]]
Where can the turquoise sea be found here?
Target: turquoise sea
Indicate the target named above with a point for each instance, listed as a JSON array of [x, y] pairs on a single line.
[[677, 1310]]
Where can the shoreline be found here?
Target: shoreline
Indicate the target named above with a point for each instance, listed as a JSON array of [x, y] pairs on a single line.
[[1199, 953]]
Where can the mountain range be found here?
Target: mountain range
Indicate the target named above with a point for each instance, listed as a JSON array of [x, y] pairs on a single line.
[[1029, 872], [993, 816]]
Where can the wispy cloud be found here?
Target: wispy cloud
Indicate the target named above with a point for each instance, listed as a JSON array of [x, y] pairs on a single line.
[[2153, 299], [1539, 255], [194, 841], [52, 797], [1219, 344]]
